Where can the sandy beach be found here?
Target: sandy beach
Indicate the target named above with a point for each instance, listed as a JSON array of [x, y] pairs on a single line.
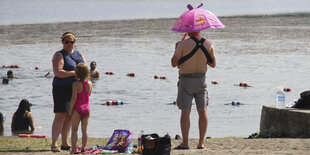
[[217, 146]]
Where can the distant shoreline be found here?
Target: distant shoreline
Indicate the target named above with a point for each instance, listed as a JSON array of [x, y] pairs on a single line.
[[301, 14]]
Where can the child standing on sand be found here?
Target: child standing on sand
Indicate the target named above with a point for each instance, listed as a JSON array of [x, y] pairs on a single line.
[[79, 107]]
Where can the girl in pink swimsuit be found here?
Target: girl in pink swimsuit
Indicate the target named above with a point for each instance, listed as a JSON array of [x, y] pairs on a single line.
[[79, 107]]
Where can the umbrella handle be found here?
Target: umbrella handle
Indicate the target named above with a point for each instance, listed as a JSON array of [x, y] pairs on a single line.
[[185, 34]]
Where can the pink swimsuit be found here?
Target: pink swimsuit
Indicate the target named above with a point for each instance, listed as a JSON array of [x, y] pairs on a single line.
[[82, 101]]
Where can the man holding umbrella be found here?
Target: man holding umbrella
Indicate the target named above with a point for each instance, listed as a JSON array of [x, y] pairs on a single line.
[[192, 56]]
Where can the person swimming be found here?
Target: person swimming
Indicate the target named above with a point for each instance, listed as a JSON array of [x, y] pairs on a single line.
[[94, 72], [10, 74]]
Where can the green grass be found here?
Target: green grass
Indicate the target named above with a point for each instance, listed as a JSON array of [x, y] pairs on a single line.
[[15, 144]]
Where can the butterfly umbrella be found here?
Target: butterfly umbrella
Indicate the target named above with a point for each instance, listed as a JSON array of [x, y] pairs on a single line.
[[195, 20]]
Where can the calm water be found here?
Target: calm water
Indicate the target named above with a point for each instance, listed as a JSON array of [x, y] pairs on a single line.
[[263, 51]]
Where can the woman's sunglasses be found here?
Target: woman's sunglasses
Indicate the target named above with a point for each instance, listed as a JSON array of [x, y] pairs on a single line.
[[67, 42]]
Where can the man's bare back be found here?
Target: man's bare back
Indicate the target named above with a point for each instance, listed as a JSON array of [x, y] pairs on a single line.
[[198, 62]]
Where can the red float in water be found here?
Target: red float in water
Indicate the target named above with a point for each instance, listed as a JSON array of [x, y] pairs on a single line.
[[36, 68], [32, 136], [131, 74], [214, 82], [109, 73], [114, 102], [155, 77], [243, 84], [163, 77], [287, 89]]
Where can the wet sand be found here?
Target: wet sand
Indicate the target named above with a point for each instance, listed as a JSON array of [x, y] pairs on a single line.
[[244, 28]]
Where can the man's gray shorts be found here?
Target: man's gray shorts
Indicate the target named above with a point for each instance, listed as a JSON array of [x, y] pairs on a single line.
[[192, 86]]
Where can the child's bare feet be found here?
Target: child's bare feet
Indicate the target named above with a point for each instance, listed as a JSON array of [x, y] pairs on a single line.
[[73, 151]]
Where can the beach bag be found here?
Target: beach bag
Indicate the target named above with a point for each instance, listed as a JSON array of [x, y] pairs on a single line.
[[120, 142], [152, 144], [303, 101]]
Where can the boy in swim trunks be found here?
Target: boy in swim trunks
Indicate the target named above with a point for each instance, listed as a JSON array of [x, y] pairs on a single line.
[[192, 82], [79, 107]]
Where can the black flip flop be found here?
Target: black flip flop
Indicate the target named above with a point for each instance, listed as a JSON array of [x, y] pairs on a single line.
[[180, 148]]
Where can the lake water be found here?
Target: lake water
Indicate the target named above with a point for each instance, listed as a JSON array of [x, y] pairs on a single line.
[[264, 51], [46, 11]]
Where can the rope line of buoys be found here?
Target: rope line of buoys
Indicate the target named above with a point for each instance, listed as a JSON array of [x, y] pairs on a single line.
[[160, 77], [234, 103], [109, 73], [10, 66], [30, 136], [242, 84], [113, 102], [174, 103], [131, 74]]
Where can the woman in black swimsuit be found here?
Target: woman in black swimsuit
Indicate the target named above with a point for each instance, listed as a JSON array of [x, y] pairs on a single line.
[[22, 118]]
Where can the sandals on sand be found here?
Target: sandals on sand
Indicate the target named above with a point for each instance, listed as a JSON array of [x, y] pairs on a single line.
[[181, 148], [65, 147], [186, 148], [55, 149]]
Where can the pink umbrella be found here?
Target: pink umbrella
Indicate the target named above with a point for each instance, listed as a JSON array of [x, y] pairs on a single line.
[[195, 20]]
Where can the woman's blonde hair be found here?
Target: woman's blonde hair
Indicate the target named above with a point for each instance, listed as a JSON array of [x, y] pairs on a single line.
[[82, 72]]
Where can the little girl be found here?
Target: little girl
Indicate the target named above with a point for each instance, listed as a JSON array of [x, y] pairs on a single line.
[[79, 107]]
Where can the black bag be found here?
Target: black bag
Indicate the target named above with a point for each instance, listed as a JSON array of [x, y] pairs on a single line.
[[304, 100], [155, 145]]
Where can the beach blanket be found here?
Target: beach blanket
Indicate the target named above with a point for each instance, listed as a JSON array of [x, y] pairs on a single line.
[[93, 150], [99, 149]]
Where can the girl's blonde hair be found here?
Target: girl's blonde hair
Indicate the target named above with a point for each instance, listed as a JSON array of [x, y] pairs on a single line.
[[82, 72]]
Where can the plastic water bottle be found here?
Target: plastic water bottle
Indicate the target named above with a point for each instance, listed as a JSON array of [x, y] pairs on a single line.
[[280, 98], [140, 141]]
